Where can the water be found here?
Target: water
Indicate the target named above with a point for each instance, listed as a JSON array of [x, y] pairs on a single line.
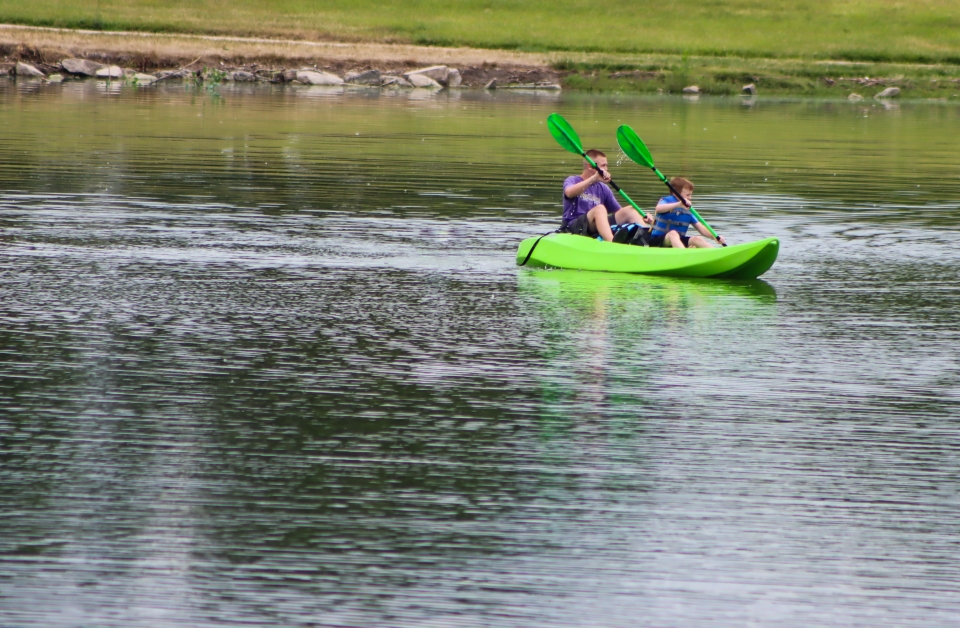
[[266, 359]]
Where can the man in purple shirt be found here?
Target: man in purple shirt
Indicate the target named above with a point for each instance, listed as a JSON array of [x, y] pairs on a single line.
[[589, 207]]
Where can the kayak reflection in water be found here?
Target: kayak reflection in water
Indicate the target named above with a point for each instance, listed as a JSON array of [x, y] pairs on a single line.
[[672, 218], [589, 207]]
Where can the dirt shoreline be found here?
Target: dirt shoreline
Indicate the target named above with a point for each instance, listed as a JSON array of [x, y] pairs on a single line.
[[150, 52]]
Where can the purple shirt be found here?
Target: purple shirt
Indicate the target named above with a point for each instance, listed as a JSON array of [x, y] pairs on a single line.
[[596, 194]]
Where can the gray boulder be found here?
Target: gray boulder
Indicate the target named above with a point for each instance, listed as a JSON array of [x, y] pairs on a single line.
[[454, 79], [854, 97], [313, 77], [491, 85], [83, 67], [750, 89], [395, 81], [25, 69], [438, 73], [288, 76], [55, 78], [890, 92], [143, 79], [242, 76], [692, 89], [172, 74], [109, 72], [370, 77], [422, 80]]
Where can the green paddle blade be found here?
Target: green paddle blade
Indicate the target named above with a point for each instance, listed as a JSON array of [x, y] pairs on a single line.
[[561, 131], [634, 148]]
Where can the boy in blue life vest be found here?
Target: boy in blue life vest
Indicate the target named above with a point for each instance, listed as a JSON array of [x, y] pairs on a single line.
[[589, 207], [672, 217]]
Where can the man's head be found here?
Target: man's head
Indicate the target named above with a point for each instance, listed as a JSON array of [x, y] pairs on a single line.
[[684, 186], [598, 157]]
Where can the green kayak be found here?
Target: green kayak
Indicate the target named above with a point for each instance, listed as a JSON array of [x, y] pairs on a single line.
[[564, 250]]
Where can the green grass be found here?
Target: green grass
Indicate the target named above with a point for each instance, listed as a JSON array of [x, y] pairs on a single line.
[[727, 75], [926, 31]]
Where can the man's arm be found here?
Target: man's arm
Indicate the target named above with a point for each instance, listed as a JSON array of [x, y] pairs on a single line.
[[577, 189]]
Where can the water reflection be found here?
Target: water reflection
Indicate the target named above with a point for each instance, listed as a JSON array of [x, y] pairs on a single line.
[[616, 334]]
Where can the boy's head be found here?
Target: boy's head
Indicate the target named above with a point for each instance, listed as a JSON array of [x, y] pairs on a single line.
[[684, 186]]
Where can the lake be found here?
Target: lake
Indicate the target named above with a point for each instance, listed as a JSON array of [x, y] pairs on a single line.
[[266, 358]]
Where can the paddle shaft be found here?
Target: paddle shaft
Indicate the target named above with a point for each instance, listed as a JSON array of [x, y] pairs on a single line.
[[686, 204], [613, 183]]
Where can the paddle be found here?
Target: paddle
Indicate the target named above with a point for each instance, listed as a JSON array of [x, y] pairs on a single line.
[[631, 144], [561, 131]]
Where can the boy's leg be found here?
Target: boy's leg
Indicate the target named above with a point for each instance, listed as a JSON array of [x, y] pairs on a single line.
[[673, 240], [698, 242], [599, 222]]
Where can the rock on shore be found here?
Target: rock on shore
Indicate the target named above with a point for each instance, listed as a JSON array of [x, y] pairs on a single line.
[[368, 77], [890, 92], [109, 72], [437, 73], [395, 81], [81, 67], [313, 77], [422, 80], [25, 69], [242, 76]]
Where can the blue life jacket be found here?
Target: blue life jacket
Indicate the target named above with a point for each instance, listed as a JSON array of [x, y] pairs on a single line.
[[676, 220]]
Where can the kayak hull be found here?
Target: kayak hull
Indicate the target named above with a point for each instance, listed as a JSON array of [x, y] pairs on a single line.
[[565, 250]]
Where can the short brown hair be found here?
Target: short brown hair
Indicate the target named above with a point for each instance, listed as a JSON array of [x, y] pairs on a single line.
[[593, 153], [680, 184]]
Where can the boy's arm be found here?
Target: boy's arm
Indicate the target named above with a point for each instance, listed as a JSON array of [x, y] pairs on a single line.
[[663, 208], [577, 189]]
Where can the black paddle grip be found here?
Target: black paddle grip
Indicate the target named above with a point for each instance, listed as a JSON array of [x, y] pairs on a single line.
[[613, 183]]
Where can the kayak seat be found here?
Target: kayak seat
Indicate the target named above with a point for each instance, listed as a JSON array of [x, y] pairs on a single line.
[[631, 233]]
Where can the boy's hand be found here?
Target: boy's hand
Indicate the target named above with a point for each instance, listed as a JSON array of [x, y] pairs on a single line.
[[602, 175], [721, 240], [647, 220]]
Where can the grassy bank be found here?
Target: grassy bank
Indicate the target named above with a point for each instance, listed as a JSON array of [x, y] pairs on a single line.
[[925, 31], [728, 75]]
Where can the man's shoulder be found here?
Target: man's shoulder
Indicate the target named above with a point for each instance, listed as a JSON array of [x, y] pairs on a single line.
[[572, 180]]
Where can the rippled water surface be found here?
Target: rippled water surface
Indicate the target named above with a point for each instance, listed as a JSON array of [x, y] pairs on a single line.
[[266, 359]]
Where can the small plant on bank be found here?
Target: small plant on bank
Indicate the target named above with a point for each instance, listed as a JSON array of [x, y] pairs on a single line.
[[215, 77]]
